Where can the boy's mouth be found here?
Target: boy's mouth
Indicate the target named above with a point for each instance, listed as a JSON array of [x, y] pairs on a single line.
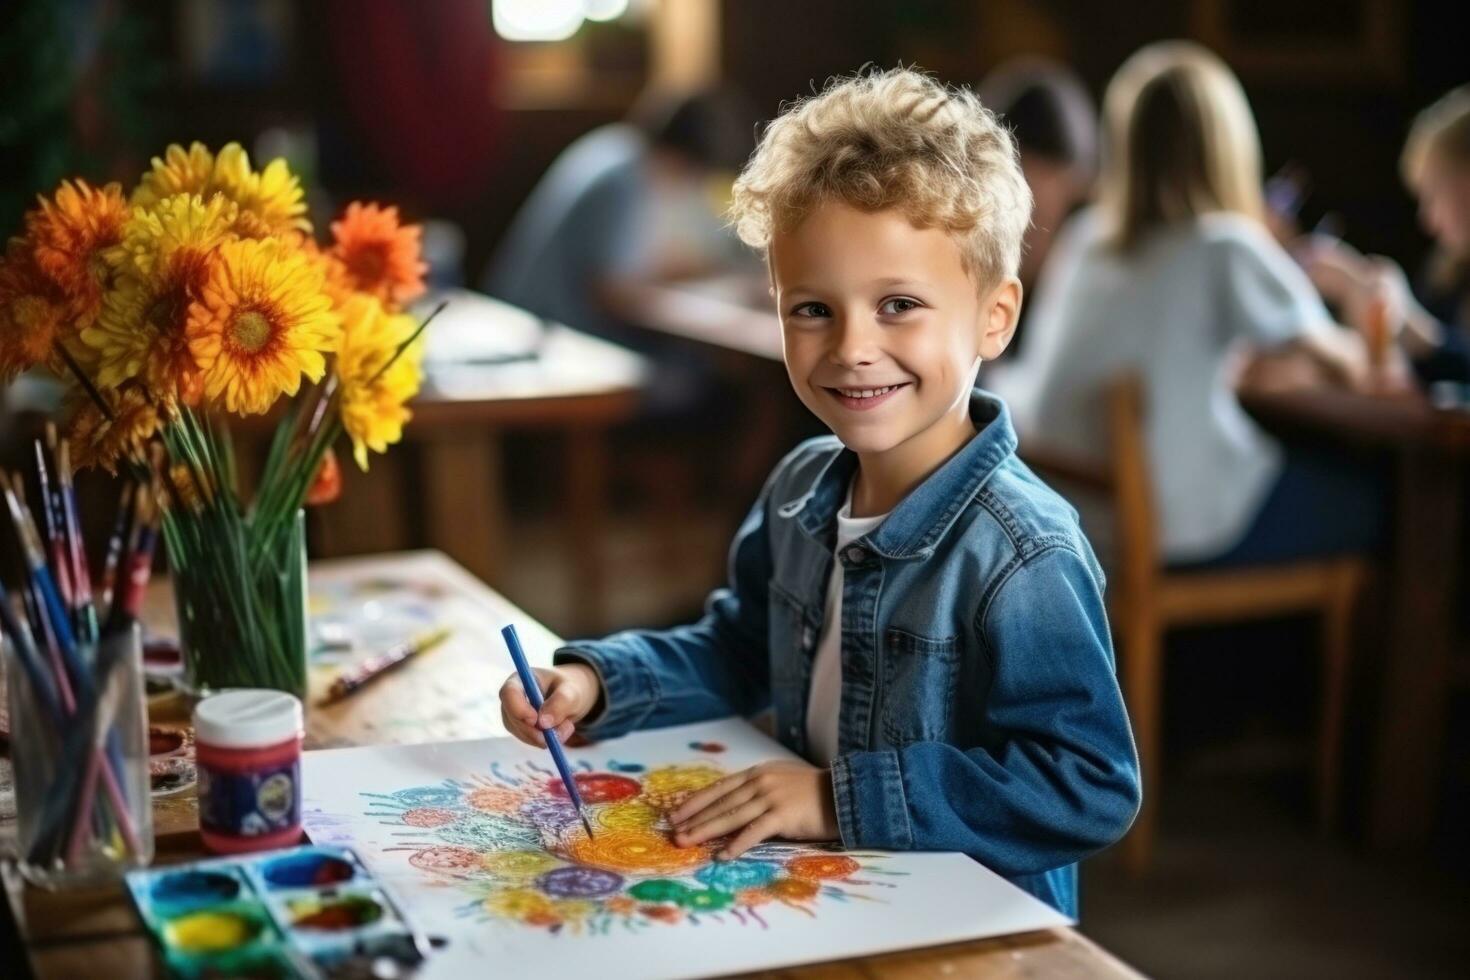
[[861, 399]]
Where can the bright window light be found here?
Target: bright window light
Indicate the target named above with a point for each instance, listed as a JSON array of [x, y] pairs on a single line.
[[604, 9], [536, 20]]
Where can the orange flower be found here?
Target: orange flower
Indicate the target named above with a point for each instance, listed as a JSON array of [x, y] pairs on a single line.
[[71, 236], [33, 312], [95, 441], [379, 255]]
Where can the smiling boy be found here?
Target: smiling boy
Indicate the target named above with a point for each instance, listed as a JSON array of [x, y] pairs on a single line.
[[922, 613]]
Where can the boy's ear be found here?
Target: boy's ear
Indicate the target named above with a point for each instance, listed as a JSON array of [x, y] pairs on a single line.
[[998, 317]]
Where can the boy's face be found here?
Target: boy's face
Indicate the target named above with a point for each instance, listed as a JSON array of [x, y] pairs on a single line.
[[884, 329]]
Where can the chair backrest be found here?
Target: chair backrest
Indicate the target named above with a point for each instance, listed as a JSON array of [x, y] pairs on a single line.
[[1132, 496], [1122, 478]]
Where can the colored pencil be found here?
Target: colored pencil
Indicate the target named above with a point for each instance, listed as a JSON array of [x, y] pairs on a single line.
[[533, 693], [354, 679]]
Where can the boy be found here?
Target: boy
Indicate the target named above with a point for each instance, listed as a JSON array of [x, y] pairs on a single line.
[[923, 614]]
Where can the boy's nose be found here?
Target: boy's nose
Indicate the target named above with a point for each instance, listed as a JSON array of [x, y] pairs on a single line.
[[855, 342]]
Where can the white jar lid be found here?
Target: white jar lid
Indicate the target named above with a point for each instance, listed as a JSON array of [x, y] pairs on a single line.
[[247, 718]]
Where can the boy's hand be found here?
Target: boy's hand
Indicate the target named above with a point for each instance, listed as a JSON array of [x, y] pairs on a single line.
[[774, 799], [571, 691]]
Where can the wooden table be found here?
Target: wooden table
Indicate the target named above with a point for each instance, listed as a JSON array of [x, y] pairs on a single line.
[[491, 368], [1429, 450], [450, 693]]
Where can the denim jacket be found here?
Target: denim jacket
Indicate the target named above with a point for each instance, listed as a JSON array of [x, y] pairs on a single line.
[[980, 709]]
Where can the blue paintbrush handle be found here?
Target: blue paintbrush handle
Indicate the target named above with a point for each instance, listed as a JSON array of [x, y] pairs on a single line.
[[533, 693]]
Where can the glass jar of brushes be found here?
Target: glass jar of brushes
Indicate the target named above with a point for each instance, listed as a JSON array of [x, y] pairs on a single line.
[[79, 748]]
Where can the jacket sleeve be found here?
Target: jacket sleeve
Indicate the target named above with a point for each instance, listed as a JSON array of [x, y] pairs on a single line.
[[716, 667], [1058, 780]]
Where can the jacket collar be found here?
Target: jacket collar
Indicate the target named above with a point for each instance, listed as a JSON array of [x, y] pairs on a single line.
[[920, 520]]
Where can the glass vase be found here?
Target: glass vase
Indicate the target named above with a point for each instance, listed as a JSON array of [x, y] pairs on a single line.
[[242, 607]]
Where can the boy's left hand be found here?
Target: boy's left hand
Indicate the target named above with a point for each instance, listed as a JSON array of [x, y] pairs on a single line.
[[774, 799]]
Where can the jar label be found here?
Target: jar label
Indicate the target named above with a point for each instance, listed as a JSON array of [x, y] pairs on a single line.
[[250, 804]]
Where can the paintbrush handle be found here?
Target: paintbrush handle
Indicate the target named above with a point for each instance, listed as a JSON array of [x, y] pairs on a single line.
[[533, 693], [355, 679]]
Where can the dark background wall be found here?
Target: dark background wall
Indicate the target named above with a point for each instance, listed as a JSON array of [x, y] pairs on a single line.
[[1344, 122]]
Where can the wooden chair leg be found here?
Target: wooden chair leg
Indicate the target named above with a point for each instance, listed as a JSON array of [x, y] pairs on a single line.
[[1336, 657], [1142, 650]]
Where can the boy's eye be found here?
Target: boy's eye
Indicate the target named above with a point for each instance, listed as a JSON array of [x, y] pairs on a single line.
[[898, 304], [811, 310]]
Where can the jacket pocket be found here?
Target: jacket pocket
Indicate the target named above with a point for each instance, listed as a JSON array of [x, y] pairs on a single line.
[[919, 677]]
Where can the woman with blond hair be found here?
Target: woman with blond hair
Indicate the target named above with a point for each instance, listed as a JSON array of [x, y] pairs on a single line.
[[1432, 326], [1173, 277]]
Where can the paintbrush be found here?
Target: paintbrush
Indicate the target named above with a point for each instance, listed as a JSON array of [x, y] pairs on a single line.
[[138, 568], [361, 675], [533, 694], [115, 545], [55, 533], [83, 609]]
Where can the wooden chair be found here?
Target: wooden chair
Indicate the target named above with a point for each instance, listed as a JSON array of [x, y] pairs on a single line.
[[1146, 599]]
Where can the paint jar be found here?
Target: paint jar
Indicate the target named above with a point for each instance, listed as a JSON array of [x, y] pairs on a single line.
[[79, 745], [247, 747]]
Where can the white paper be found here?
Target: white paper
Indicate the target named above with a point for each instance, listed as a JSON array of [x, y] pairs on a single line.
[[477, 845]]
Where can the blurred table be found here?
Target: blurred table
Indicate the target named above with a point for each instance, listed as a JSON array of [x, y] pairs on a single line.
[[449, 693], [732, 313], [1429, 449], [492, 368], [733, 318]]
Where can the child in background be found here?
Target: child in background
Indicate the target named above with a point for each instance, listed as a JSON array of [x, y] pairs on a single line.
[[1174, 278], [922, 613], [1431, 323]]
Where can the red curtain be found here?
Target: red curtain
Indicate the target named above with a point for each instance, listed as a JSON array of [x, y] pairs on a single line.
[[418, 81]]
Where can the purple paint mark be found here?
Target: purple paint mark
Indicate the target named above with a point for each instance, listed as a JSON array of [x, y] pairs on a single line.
[[579, 882], [556, 815]]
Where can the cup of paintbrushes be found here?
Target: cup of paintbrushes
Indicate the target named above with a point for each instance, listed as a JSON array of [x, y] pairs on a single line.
[[79, 746]]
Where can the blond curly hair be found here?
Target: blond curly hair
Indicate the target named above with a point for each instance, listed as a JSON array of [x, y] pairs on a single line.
[[892, 139]]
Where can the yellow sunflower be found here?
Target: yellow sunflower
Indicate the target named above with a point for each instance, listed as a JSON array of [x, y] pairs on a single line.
[[178, 171], [163, 264], [271, 202], [262, 323], [71, 236], [96, 441], [33, 312], [374, 393]]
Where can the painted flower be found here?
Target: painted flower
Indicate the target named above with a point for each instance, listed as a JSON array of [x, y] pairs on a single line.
[[33, 312], [71, 235], [376, 381], [96, 440], [379, 255], [164, 263], [262, 323], [271, 202]]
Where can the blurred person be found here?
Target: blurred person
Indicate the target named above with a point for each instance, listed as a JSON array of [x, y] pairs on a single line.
[[633, 199], [1432, 322], [1174, 277], [1054, 122]]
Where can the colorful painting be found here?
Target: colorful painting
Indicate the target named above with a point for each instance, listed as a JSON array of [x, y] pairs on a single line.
[[482, 844]]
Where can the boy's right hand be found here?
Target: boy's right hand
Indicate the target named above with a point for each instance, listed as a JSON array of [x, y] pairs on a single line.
[[571, 691]]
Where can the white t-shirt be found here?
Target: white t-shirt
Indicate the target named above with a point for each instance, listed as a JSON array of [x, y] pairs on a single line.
[[1176, 310], [825, 698]]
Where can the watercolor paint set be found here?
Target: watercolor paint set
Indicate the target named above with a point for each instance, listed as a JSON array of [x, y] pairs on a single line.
[[304, 912]]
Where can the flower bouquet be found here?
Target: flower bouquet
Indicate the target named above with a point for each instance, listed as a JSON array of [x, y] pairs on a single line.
[[200, 297]]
